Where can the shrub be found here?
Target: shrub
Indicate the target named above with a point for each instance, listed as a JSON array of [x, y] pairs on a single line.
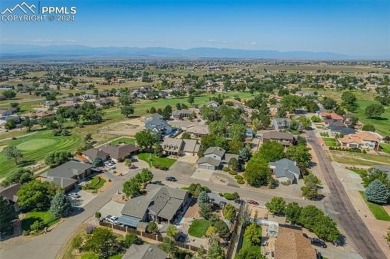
[[238, 177], [232, 172], [98, 214], [37, 226], [226, 169], [240, 181], [231, 196]]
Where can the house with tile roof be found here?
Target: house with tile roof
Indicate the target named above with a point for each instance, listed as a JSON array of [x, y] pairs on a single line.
[[361, 139]]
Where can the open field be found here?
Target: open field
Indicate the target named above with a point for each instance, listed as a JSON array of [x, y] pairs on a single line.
[[35, 147], [358, 159], [377, 210], [364, 99]]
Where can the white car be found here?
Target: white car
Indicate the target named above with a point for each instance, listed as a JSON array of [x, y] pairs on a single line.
[[112, 219]]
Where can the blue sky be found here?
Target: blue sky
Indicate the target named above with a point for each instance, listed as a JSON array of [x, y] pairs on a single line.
[[353, 27]]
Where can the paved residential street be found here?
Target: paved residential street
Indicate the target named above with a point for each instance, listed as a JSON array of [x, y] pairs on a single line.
[[357, 232]]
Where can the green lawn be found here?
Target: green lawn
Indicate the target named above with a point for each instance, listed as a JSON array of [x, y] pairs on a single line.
[[330, 142], [385, 148], [358, 171], [123, 140], [358, 159], [377, 210], [96, 183], [46, 216], [154, 160], [199, 227], [246, 243], [35, 147]]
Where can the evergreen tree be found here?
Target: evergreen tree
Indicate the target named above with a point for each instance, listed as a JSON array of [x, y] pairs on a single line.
[[377, 192], [60, 205]]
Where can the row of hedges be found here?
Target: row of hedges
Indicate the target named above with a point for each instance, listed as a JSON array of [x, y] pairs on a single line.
[[354, 150], [161, 167]]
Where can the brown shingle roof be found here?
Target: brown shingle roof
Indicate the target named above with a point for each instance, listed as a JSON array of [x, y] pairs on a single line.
[[291, 244], [121, 151], [277, 135]]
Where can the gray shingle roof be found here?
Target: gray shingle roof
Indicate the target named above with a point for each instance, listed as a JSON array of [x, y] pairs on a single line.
[[148, 251], [215, 150], [94, 152], [277, 135], [286, 168], [69, 169], [120, 151], [136, 207], [209, 160], [62, 182]]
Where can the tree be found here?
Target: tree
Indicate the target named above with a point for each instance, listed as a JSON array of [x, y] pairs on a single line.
[[222, 228], [97, 162], [233, 164], [310, 190], [127, 110], [374, 110], [349, 101], [152, 227], [211, 231], [292, 212], [203, 197], [205, 210], [77, 242], [36, 195], [257, 172], [377, 192], [276, 205], [28, 123], [387, 237], [191, 99], [215, 251], [57, 157], [60, 205], [329, 103], [172, 232], [9, 94], [229, 212], [18, 176], [368, 127], [310, 216], [167, 112], [299, 154], [127, 162], [132, 188], [7, 215], [10, 124], [372, 174], [158, 150], [102, 242], [186, 135], [253, 234], [245, 153], [146, 139], [12, 152], [131, 239], [169, 247], [271, 151]]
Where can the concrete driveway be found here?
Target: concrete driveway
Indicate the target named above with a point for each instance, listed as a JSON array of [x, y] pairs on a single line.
[[188, 159], [85, 198], [112, 208], [182, 168], [203, 174]]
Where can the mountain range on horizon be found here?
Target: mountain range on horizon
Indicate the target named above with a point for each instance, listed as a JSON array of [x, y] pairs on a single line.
[[20, 51]]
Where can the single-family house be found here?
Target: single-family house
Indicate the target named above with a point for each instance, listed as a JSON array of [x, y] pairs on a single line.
[[198, 130], [285, 170], [93, 153], [10, 193], [284, 138], [361, 139], [120, 152], [146, 251], [280, 123], [67, 175], [291, 244], [213, 104], [180, 114], [215, 157], [158, 126], [180, 147], [161, 203]]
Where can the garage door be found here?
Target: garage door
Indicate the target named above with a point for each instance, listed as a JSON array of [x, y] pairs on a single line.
[[206, 166]]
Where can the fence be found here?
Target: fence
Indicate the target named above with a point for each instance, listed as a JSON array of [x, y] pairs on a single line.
[[233, 239], [156, 237]]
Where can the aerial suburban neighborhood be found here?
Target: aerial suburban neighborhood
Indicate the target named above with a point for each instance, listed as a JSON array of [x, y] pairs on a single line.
[[164, 129]]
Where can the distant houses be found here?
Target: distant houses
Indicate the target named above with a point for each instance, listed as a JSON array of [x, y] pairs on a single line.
[[362, 139], [157, 125]]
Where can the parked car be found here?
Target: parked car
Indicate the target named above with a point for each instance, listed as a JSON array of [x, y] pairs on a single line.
[[111, 219], [171, 179], [252, 202], [318, 242], [74, 195]]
